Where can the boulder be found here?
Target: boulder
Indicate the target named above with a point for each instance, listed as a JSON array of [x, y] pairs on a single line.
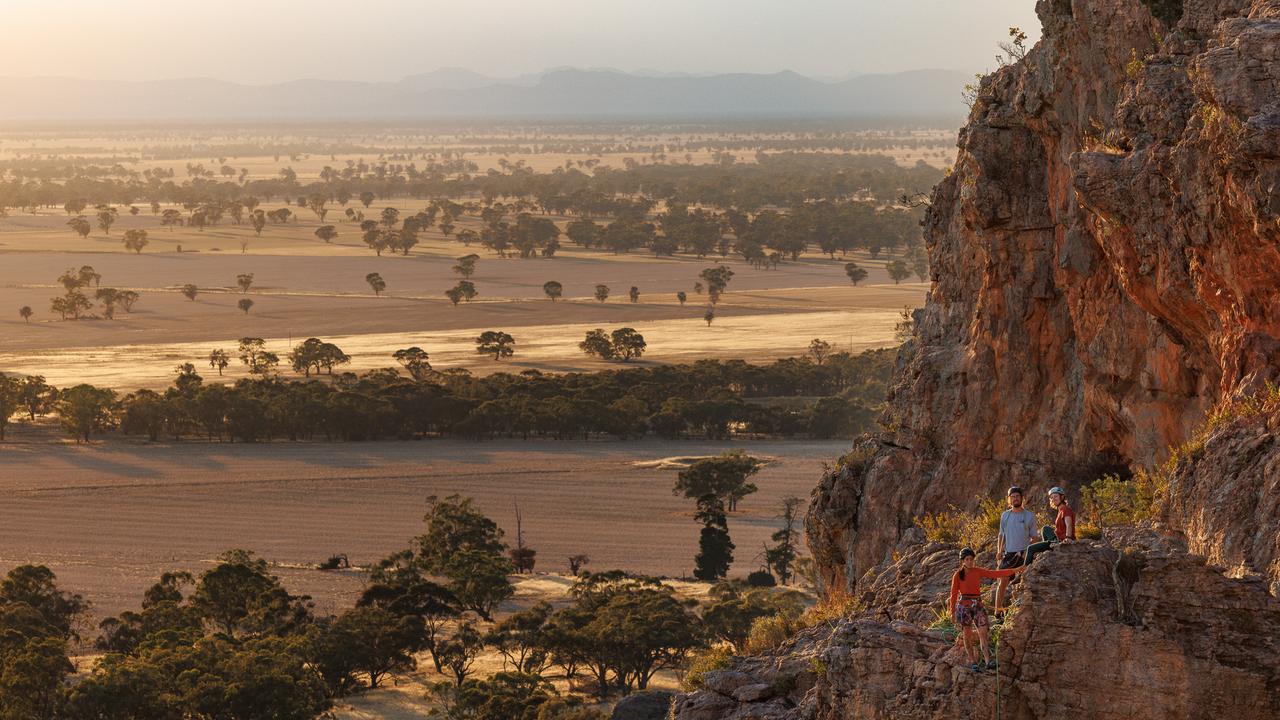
[[644, 705]]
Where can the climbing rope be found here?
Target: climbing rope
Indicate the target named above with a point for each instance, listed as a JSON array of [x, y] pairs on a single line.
[[996, 649]]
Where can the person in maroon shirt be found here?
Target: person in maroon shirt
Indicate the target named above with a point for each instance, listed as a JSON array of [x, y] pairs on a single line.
[[1064, 525]]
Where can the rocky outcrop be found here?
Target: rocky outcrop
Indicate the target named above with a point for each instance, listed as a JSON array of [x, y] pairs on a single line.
[[1106, 275], [1224, 491], [1157, 635], [647, 705], [1106, 264]]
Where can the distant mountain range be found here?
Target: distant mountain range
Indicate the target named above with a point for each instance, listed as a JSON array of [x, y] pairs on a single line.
[[457, 92]]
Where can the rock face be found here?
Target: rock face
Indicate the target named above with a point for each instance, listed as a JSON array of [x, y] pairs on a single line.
[[1225, 496], [1106, 265], [1106, 260], [1158, 635]]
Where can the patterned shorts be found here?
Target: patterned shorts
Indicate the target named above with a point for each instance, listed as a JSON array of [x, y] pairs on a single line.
[[970, 613]]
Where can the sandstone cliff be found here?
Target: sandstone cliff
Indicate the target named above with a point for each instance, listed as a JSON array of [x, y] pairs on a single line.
[[1106, 270], [1178, 639], [1106, 259]]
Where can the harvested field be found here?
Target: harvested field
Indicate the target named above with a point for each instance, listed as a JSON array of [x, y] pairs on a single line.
[[109, 517]]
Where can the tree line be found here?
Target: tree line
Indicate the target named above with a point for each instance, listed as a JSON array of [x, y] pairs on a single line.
[[781, 179], [840, 394], [233, 643]]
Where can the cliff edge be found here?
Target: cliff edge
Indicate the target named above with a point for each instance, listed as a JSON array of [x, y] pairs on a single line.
[[1106, 271]]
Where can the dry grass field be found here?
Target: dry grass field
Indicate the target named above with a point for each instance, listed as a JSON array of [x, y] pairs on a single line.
[[109, 518], [304, 287]]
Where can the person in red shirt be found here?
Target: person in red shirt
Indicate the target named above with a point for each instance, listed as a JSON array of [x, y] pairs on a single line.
[[1064, 525], [965, 605]]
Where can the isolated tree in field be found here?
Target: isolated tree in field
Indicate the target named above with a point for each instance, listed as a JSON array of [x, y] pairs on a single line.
[[367, 198], [390, 216], [466, 266], [898, 271], [725, 476], [219, 360], [75, 206], [717, 280], [326, 232], [245, 304], [446, 227], [523, 558], [376, 282], [627, 344], [415, 361], [597, 343], [467, 289], [26, 312], [577, 562], [781, 557], [190, 291], [84, 410], [709, 316], [715, 549], [256, 357], [258, 219], [682, 297], [495, 343], [602, 292], [855, 273], [634, 294], [552, 289], [454, 294], [81, 226], [171, 217], [468, 236], [135, 240], [107, 216], [244, 281], [819, 350]]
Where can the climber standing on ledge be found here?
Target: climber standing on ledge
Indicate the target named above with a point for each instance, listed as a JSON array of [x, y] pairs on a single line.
[[965, 605], [1017, 532]]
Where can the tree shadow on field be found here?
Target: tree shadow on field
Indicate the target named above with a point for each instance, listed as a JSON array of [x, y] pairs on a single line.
[[96, 458]]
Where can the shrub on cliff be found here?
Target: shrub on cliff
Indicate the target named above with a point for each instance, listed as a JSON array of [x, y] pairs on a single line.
[[971, 529]]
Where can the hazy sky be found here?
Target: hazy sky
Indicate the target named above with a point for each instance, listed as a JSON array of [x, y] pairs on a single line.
[[273, 40]]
